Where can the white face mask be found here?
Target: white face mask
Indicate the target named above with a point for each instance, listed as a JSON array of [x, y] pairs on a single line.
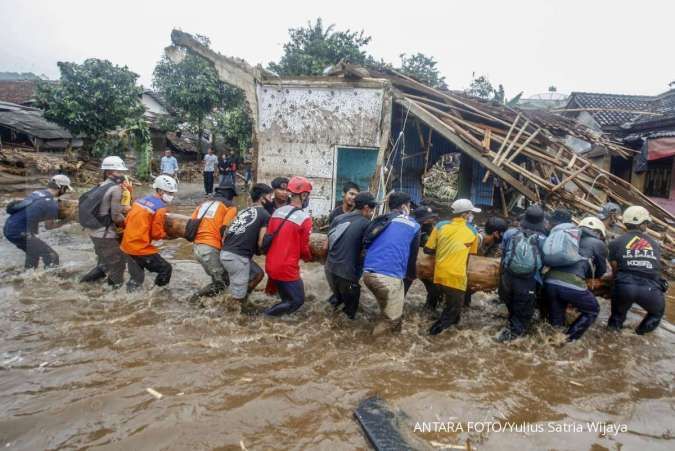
[[469, 218], [406, 210], [168, 198]]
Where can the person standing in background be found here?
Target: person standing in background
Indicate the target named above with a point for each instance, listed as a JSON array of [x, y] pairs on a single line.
[[168, 165], [210, 163]]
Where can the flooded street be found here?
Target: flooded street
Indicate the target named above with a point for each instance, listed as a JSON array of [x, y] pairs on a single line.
[[76, 362]]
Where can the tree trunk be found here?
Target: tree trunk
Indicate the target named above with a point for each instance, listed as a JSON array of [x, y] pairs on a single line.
[[483, 272]]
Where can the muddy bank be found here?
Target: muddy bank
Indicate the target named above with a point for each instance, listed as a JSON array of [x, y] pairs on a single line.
[[75, 363]]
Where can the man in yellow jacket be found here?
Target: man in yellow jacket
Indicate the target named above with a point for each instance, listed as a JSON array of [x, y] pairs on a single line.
[[452, 242]]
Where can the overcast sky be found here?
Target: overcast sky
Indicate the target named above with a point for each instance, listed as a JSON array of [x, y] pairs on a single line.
[[591, 45]]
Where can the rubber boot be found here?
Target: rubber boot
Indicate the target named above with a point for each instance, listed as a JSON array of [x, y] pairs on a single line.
[[209, 291], [94, 275], [648, 324]]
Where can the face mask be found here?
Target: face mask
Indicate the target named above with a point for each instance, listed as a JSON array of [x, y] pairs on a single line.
[[305, 202], [168, 198], [117, 179], [469, 218], [405, 210]]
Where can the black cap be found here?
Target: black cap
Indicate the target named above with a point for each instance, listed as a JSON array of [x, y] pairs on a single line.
[[229, 186], [561, 216], [278, 183], [364, 198], [533, 219], [424, 213]]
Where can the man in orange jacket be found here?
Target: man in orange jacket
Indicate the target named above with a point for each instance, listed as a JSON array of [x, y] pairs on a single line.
[[214, 216], [143, 224]]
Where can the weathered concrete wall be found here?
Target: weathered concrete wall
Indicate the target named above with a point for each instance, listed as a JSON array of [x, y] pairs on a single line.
[[300, 124]]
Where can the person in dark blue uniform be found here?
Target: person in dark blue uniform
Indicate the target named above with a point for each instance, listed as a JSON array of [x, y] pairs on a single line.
[[21, 228], [636, 262]]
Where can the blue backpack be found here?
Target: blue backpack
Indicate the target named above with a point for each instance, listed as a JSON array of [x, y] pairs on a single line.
[[561, 247], [522, 257]]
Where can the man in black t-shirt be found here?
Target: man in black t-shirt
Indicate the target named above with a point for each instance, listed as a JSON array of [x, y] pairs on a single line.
[[636, 262], [344, 264], [242, 241], [349, 192]]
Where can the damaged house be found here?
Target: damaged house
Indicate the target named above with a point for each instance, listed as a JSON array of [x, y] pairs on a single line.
[[388, 131], [645, 124]]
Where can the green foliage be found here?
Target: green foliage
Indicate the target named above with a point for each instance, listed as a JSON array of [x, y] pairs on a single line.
[[191, 87], [91, 98], [193, 90], [136, 136], [313, 48], [482, 88], [234, 125], [423, 69]]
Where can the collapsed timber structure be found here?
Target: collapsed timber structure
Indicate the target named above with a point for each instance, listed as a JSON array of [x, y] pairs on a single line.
[[408, 126]]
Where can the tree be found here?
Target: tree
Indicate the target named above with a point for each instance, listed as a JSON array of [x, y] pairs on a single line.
[[422, 68], [313, 48], [91, 98], [482, 88], [191, 87]]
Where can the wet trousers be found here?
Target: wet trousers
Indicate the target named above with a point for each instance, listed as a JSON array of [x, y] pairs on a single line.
[[111, 262], [292, 296], [35, 250], [649, 297], [208, 182], [346, 292], [559, 298], [433, 293], [520, 295], [389, 293], [453, 299], [153, 263]]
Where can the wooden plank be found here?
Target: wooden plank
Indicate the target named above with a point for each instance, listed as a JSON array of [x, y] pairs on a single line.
[[570, 177], [443, 129]]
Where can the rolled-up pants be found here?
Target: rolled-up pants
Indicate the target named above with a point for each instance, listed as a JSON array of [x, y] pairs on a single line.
[[389, 292], [35, 250], [153, 263], [110, 258]]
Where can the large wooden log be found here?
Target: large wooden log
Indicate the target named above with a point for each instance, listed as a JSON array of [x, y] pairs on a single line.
[[483, 272]]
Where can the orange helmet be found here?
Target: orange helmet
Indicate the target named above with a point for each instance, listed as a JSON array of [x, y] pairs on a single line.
[[299, 185]]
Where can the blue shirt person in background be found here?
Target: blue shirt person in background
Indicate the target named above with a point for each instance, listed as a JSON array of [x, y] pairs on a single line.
[[168, 165]]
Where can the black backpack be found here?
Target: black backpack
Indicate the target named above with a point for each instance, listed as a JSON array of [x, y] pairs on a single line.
[[192, 226], [89, 207], [377, 226]]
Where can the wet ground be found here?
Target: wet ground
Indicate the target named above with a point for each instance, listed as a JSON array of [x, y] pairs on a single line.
[[76, 362]]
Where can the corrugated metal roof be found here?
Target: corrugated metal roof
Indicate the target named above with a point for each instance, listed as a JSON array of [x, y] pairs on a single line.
[[32, 123]]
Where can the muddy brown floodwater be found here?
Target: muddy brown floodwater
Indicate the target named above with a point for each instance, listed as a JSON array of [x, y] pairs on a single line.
[[76, 362]]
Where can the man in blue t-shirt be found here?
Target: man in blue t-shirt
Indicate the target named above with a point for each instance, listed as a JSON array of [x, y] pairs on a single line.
[[21, 228], [391, 257]]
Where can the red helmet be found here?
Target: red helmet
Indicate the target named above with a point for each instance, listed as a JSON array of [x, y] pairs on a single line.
[[299, 185]]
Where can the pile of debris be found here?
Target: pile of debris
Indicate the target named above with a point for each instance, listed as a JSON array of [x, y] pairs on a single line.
[[529, 150]]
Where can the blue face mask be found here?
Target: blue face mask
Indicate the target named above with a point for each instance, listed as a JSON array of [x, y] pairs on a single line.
[[469, 218]]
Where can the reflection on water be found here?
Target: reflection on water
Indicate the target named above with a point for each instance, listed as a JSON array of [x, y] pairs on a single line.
[[75, 363]]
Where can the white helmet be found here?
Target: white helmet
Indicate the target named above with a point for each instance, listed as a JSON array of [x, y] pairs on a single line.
[[636, 215], [165, 183], [61, 181], [113, 163], [594, 223]]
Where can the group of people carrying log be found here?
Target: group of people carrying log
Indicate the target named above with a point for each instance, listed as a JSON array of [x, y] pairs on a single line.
[[545, 260]]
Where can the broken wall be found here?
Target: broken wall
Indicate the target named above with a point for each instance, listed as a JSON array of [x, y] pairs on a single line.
[[301, 124]]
